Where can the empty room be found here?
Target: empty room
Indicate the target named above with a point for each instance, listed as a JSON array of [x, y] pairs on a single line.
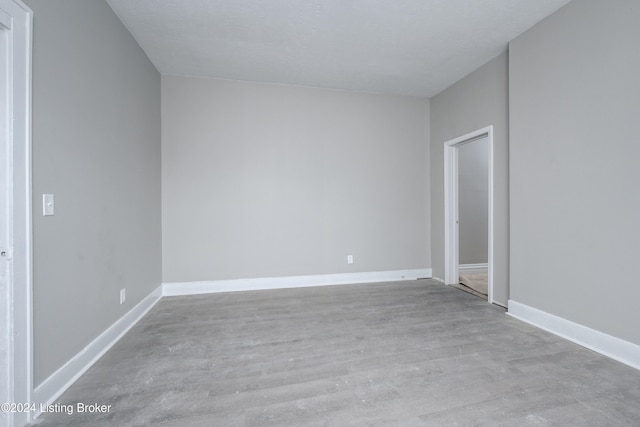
[[327, 213]]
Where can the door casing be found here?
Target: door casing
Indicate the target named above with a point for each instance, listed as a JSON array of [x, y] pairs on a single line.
[[16, 24], [451, 226]]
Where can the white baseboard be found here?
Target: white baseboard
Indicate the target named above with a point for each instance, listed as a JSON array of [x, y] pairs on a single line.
[[194, 288], [51, 388], [607, 345], [473, 268]]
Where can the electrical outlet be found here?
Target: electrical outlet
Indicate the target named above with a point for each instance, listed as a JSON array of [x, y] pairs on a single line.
[[123, 295], [349, 259]]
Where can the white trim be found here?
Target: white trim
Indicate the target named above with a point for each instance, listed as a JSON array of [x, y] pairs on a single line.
[[208, 287], [491, 227], [607, 345], [451, 227], [51, 388], [17, 372], [63, 378], [474, 268], [450, 214]]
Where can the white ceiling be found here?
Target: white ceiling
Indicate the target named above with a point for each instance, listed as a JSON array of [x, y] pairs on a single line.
[[407, 47]]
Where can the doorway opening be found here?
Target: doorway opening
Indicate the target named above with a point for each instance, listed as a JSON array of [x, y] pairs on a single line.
[[15, 207], [474, 271]]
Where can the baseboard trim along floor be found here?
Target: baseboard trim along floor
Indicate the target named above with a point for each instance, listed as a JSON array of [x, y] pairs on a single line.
[[215, 286], [47, 392], [473, 268], [51, 388], [607, 345], [413, 352]]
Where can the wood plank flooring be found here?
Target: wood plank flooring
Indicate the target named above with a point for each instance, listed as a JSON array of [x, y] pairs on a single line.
[[413, 353]]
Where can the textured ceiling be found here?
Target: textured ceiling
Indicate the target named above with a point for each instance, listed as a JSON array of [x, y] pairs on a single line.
[[407, 47]]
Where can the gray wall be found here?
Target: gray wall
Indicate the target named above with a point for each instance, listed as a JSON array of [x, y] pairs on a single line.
[[478, 100], [267, 180], [96, 146], [473, 201], [575, 201]]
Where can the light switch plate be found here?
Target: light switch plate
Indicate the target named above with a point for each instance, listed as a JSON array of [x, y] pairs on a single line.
[[48, 207]]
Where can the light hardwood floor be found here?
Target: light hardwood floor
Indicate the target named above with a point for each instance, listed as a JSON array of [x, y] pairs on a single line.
[[401, 354]]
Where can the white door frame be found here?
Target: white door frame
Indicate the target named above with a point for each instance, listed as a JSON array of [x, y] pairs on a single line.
[[16, 335], [451, 226]]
